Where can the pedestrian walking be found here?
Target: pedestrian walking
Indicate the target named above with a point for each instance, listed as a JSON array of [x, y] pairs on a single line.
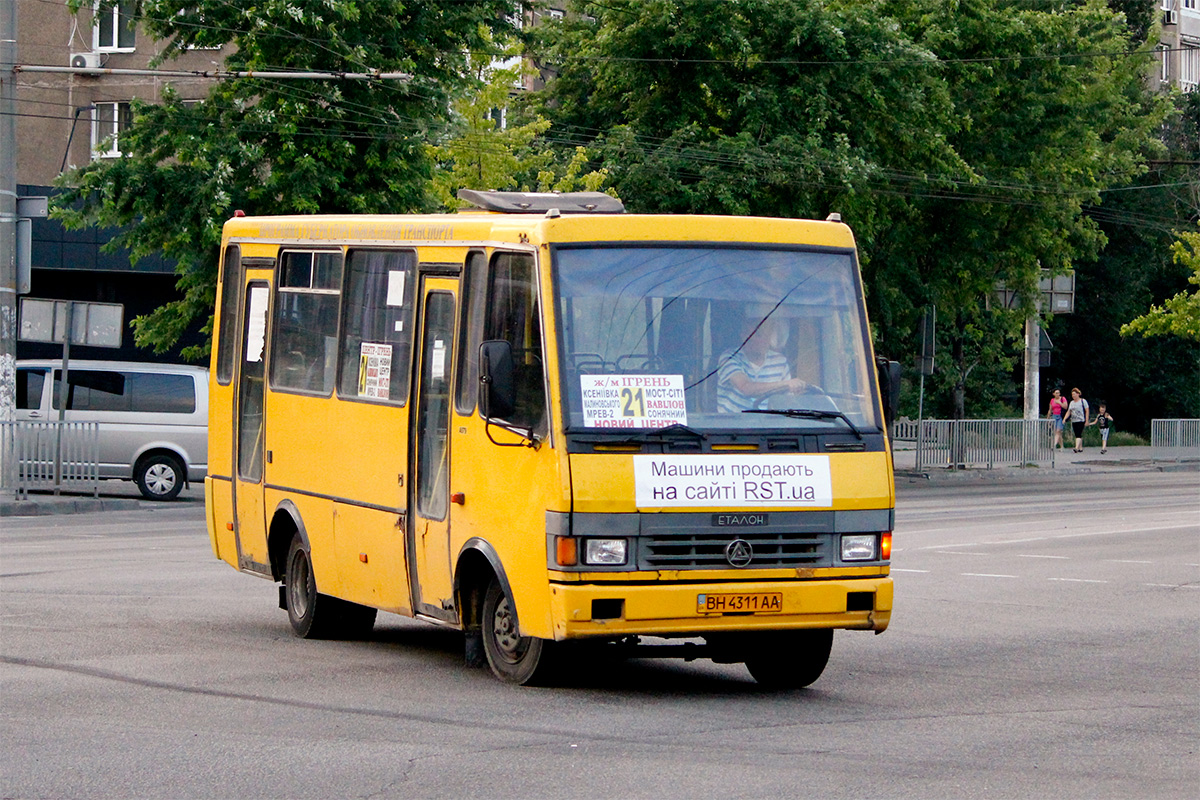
[[1058, 408], [1080, 415], [1103, 421]]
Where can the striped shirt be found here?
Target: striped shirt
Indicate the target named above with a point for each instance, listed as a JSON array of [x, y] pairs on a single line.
[[729, 400]]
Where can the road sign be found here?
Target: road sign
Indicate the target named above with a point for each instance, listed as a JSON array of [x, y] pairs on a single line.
[[92, 324]]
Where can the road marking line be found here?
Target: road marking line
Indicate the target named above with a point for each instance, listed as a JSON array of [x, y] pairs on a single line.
[[1174, 585], [996, 542], [956, 553], [1030, 555], [1077, 580], [985, 575], [897, 569]]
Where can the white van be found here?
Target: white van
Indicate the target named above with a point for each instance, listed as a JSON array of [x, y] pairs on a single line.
[[153, 417]]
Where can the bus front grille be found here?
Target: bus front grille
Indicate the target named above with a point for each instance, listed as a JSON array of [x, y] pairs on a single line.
[[709, 550]]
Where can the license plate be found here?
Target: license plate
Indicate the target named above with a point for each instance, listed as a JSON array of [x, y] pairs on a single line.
[[748, 603]]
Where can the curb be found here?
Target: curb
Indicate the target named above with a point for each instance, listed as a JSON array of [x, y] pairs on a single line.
[[1016, 474], [81, 505]]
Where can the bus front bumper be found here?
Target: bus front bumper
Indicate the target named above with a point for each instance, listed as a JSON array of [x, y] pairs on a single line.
[[683, 609]]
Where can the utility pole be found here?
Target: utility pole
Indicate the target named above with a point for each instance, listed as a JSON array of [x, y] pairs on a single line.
[[1033, 344], [8, 211]]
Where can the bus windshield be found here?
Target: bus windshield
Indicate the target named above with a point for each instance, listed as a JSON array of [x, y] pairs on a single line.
[[713, 338]]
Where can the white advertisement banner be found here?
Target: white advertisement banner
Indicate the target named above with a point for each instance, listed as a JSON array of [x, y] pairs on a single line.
[[732, 480], [633, 401]]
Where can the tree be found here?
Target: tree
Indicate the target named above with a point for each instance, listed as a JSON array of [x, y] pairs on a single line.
[[276, 146], [962, 139], [487, 148], [1179, 315], [1053, 111]]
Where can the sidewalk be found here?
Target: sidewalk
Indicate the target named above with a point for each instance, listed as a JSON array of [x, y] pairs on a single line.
[[114, 496], [1090, 461]]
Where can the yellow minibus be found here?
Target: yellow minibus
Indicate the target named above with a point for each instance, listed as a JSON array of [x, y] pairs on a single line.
[[554, 426]]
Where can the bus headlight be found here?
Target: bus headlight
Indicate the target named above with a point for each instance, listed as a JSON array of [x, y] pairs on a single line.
[[604, 552], [858, 547]]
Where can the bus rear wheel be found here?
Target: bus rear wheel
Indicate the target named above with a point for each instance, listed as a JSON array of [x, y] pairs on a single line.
[[790, 659], [513, 658], [318, 616]]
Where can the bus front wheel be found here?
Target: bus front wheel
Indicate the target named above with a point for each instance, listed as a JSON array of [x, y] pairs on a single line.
[[790, 659], [513, 658]]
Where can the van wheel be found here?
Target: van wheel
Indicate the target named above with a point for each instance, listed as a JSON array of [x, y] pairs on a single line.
[[160, 477], [791, 659], [513, 658]]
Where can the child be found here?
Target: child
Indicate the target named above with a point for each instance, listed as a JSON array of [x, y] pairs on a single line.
[[1103, 421]]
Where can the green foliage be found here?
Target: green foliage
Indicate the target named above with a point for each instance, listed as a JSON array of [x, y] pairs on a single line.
[[1179, 315], [279, 146], [963, 140], [480, 153]]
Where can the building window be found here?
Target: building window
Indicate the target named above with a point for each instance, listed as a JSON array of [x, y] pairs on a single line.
[[109, 121], [1189, 68], [116, 23], [1190, 5]]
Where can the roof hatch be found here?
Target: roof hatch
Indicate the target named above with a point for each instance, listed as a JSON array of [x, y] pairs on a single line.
[[542, 202]]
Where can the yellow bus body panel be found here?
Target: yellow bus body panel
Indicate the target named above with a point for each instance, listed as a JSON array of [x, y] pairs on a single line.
[[603, 483]]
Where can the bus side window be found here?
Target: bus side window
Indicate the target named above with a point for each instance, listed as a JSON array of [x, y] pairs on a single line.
[[231, 280], [474, 292], [376, 325], [514, 315], [306, 311]]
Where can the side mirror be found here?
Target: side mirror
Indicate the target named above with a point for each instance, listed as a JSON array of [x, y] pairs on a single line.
[[889, 388], [497, 397]]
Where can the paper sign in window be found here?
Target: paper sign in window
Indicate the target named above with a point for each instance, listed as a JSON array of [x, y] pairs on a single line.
[[375, 370], [437, 364], [256, 333], [395, 289], [632, 401]]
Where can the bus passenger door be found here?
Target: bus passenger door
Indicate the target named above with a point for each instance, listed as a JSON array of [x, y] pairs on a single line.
[[250, 532], [429, 494]]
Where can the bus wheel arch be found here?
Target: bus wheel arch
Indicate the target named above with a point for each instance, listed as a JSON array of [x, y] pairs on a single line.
[[489, 619], [285, 524]]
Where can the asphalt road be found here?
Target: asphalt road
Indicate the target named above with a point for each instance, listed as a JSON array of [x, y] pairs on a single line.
[[1045, 643]]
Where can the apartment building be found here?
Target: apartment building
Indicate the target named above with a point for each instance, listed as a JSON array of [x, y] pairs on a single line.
[[1179, 44], [69, 118]]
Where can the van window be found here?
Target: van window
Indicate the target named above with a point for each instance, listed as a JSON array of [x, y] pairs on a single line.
[[146, 392], [304, 345], [376, 330], [160, 393], [93, 390], [29, 388]]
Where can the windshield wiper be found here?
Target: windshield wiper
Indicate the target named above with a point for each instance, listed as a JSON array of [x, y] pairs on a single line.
[[673, 430], [805, 413]]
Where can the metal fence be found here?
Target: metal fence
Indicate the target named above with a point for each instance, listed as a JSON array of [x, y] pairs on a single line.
[[1174, 439], [41, 456], [975, 443]]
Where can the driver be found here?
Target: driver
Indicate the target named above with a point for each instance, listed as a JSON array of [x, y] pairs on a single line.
[[751, 372]]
